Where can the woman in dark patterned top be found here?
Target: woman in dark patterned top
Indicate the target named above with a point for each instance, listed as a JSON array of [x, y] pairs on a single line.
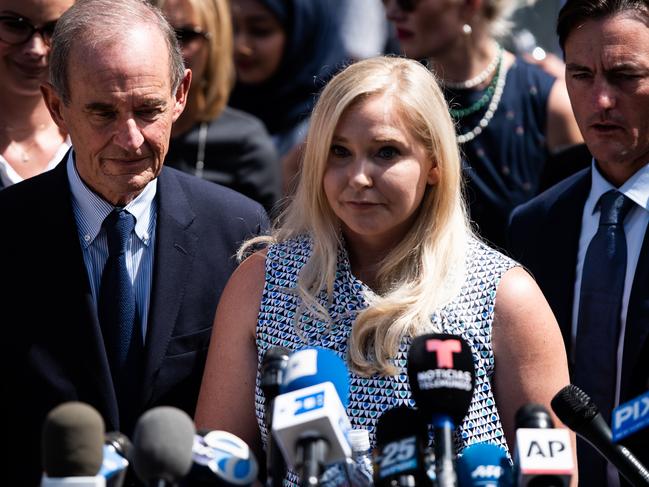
[[510, 116]]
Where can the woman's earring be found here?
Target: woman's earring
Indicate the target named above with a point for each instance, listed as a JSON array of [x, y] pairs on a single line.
[[466, 29]]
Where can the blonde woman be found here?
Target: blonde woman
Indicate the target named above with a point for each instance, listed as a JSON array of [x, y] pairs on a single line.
[[210, 139], [374, 249]]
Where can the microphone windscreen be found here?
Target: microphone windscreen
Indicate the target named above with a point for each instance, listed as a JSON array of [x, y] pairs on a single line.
[[401, 441], [311, 366], [442, 375], [273, 366], [574, 407], [275, 355], [162, 445], [72, 441], [401, 422], [533, 416], [483, 464]]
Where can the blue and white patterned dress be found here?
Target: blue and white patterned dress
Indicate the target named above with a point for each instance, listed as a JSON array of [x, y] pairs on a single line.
[[470, 315]]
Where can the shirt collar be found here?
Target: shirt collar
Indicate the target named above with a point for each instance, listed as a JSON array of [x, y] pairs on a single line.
[[92, 209], [636, 188]]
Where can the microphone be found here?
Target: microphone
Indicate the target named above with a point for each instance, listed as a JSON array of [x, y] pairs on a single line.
[[543, 454], [221, 459], [316, 365], [533, 415], [442, 378], [310, 423], [116, 454], [484, 465], [273, 367], [576, 409], [162, 446], [72, 441], [401, 441]]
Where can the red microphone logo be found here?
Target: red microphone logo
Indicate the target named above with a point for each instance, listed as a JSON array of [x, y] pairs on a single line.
[[445, 350]]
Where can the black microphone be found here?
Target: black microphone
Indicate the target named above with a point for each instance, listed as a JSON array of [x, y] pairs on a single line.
[[162, 446], [576, 409], [442, 378], [72, 445], [543, 455], [273, 368], [533, 415], [401, 442]]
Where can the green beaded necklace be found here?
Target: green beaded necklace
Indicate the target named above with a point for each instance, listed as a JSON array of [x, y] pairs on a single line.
[[459, 113]]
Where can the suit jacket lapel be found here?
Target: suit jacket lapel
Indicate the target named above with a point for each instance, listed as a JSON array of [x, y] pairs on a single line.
[[637, 327], [175, 248], [562, 247], [66, 251]]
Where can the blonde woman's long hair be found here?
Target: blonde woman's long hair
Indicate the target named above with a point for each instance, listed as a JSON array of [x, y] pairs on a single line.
[[425, 270]]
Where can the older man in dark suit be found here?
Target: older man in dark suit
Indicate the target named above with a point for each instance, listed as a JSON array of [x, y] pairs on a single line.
[[585, 240], [113, 265]]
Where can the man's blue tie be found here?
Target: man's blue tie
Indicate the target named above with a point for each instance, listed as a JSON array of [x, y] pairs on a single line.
[[118, 317], [598, 325]]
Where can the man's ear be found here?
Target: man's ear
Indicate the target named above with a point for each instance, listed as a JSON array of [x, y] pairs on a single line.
[[181, 94], [54, 104]]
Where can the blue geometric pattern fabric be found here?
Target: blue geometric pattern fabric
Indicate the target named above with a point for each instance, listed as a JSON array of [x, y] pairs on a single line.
[[470, 315]]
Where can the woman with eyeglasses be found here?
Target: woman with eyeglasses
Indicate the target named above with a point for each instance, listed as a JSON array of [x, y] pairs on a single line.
[[30, 141], [210, 139], [511, 116]]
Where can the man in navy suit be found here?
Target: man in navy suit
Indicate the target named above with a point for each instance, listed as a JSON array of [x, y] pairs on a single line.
[[606, 48], [117, 85]]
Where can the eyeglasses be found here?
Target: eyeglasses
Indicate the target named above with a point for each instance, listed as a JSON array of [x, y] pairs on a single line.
[[18, 30], [188, 34]]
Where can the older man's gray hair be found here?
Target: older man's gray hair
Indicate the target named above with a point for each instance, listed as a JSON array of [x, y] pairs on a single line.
[[98, 22]]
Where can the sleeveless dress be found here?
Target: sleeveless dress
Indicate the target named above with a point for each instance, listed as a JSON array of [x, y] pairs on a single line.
[[470, 315], [504, 163]]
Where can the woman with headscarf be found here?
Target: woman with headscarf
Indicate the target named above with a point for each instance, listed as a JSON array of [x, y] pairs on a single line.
[[284, 52]]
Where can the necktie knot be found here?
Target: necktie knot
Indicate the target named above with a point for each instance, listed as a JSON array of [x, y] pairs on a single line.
[[118, 224], [614, 207]]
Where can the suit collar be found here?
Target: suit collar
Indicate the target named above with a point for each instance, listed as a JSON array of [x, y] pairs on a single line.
[[637, 327], [562, 244], [174, 252], [66, 247]]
